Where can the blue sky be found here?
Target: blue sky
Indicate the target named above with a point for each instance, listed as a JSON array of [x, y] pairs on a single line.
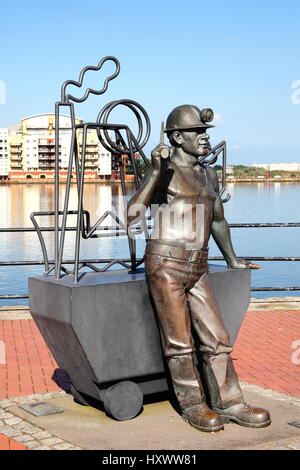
[[239, 58]]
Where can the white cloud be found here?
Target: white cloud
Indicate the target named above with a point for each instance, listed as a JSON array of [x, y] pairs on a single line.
[[235, 147], [218, 120]]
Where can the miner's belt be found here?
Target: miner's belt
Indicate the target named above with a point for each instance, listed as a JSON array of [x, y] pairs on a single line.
[[193, 256]]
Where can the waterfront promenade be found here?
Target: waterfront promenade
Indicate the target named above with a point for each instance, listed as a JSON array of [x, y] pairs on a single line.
[[266, 356]]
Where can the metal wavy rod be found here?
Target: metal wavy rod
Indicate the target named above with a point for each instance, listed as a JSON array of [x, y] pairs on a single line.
[[42, 241], [65, 97], [136, 108], [105, 268], [79, 215], [96, 226], [39, 232], [144, 227], [67, 193], [140, 150], [102, 125], [56, 186], [132, 242], [131, 245], [215, 151], [132, 158]]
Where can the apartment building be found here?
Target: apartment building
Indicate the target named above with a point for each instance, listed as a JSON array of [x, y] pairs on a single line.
[[4, 161], [27, 150]]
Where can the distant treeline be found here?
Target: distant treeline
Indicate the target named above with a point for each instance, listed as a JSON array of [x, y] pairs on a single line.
[[241, 171], [238, 171]]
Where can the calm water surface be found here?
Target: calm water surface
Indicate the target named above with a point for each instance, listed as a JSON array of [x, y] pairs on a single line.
[[278, 202]]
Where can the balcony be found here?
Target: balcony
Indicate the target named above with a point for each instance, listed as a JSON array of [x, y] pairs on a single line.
[[18, 152], [46, 167], [16, 165], [47, 145], [48, 159], [16, 158]]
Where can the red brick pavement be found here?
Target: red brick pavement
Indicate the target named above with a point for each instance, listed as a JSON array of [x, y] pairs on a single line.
[[9, 444], [268, 350], [29, 364], [262, 353]]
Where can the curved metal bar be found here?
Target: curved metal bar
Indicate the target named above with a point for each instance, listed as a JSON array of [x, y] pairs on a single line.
[[215, 151], [104, 116], [91, 231], [65, 98], [41, 239], [67, 193], [56, 187], [80, 207], [136, 108]]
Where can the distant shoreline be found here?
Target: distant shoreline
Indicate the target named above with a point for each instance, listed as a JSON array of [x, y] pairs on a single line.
[[231, 180]]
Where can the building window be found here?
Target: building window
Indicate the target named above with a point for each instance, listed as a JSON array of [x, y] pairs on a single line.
[[43, 176], [28, 176]]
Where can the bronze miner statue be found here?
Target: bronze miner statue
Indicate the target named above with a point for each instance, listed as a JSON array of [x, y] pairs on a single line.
[[183, 194]]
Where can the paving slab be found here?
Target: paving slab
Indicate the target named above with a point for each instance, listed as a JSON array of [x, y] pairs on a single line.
[[275, 303], [159, 426]]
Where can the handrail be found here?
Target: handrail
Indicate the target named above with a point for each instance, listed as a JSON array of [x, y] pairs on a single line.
[[125, 262]]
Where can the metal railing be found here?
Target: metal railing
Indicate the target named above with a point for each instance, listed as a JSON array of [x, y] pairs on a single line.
[[118, 231]]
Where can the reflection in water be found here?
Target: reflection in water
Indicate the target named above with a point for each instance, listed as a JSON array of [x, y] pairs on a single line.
[[260, 202]]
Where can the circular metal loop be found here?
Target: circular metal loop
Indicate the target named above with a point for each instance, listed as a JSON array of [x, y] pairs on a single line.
[[143, 130]]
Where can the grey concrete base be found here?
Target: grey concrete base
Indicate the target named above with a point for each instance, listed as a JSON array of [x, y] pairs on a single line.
[[161, 427], [103, 330]]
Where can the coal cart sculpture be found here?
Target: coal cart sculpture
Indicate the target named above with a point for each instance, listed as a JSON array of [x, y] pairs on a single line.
[[100, 325]]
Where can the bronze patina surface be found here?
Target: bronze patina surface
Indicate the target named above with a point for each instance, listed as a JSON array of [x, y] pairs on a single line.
[[183, 193]]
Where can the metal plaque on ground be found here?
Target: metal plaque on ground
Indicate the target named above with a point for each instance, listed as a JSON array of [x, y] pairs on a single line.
[[41, 408]]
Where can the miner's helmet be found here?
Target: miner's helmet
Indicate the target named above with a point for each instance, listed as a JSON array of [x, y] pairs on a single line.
[[188, 116]]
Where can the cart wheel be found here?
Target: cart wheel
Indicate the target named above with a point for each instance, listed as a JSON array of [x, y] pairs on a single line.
[[123, 400], [78, 398]]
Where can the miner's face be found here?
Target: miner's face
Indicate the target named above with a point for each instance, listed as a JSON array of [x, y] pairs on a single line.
[[195, 142]]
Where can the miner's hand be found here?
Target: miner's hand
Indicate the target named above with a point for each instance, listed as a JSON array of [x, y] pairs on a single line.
[[159, 152], [243, 264]]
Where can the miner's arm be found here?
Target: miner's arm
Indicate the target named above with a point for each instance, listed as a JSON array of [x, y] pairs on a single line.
[[221, 232], [141, 200]]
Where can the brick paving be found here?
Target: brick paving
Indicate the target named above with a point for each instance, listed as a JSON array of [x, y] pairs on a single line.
[[18, 434], [10, 444], [29, 364], [263, 356], [264, 353]]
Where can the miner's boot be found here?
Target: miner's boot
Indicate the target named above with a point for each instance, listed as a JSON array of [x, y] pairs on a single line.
[[245, 415], [226, 395], [189, 393]]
